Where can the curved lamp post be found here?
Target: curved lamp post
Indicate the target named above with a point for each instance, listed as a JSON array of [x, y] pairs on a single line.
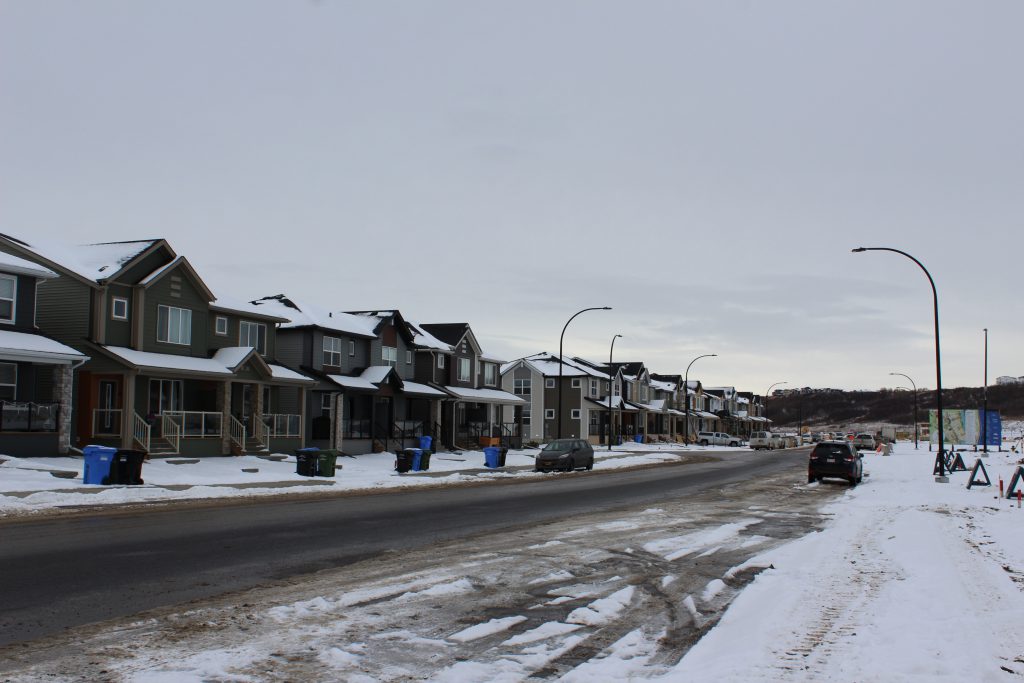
[[768, 393], [686, 393], [915, 403], [560, 340], [611, 383], [940, 460]]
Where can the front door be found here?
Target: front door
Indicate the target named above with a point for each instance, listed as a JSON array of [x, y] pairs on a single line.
[[108, 417]]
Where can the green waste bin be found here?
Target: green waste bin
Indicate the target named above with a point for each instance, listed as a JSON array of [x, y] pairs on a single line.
[[326, 462]]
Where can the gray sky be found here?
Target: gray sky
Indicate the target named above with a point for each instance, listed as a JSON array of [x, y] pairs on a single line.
[[703, 168]]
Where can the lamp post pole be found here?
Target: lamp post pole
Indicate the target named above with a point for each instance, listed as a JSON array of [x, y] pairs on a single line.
[[611, 383], [984, 401], [560, 340], [767, 393], [915, 403], [940, 460], [686, 393]]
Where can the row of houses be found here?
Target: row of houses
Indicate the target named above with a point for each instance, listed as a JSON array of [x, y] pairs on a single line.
[[123, 344]]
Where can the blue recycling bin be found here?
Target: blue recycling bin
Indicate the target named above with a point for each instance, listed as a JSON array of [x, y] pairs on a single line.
[[98, 460], [639, 438], [426, 442], [417, 458], [491, 456]]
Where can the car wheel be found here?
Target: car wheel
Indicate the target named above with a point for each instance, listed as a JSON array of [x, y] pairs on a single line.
[[704, 442], [810, 478], [590, 465], [853, 481], [570, 466]]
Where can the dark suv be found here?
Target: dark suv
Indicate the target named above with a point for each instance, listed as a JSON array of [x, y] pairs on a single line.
[[565, 454], [836, 459]]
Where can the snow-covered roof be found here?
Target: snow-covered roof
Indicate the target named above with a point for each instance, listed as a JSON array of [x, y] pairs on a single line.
[[547, 365], [483, 395], [232, 356], [25, 346], [283, 373], [617, 403], [703, 413], [352, 382], [9, 263], [95, 262], [308, 315], [418, 389], [376, 373], [233, 305], [425, 340], [167, 361], [663, 386]]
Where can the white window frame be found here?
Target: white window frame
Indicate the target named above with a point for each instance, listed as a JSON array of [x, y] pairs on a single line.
[[522, 387], [326, 403], [549, 413], [440, 361], [248, 324], [217, 326], [465, 364], [13, 299], [408, 357], [14, 386], [184, 337], [114, 301], [576, 382], [331, 349], [527, 414], [549, 383], [593, 387], [575, 414], [389, 355], [490, 370]]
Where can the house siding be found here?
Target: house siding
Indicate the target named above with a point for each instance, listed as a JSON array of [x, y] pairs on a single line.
[[144, 267], [186, 296], [64, 309], [118, 332], [24, 303]]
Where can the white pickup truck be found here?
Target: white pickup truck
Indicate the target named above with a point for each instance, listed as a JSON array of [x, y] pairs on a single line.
[[763, 441], [718, 439]]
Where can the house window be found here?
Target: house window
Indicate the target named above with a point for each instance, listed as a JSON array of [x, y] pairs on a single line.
[[549, 383], [575, 415], [521, 387], [325, 404], [408, 357], [220, 326], [615, 389], [8, 381], [440, 360], [576, 383], [526, 417], [389, 355], [464, 369], [8, 290], [254, 335], [351, 348], [174, 325], [119, 308], [549, 413], [332, 352], [165, 395], [489, 373], [593, 387]]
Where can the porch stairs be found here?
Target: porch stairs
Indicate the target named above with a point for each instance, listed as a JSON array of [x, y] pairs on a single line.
[[254, 446], [161, 446]]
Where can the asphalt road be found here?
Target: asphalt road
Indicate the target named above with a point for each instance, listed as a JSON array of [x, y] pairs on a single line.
[[60, 573]]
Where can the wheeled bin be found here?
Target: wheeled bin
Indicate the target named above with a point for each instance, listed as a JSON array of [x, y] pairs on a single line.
[[127, 467], [492, 455], [306, 461], [426, 442], [326, 462], [98, 460], [425, 460], [403, 461]]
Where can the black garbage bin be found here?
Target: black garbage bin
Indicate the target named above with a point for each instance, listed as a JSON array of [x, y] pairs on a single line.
[[127, 467], [306, 461], [501, 456], [425, 460], [403, 461]]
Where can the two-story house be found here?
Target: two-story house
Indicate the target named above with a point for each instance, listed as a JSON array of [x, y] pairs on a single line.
[[171, 369], [36, 372], [476, 413]]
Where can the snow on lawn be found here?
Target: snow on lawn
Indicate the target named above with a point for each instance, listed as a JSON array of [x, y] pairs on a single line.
[[602, 611], [911, 580], [485, 629]]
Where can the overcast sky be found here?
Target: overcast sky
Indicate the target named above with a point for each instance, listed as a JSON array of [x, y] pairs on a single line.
[[703, 168]]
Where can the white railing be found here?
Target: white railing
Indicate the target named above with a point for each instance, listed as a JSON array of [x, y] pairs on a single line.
[[106, 422], [197, 424], [259, 430], [236, 430], [281, 425], [171, 430], [141, 431]]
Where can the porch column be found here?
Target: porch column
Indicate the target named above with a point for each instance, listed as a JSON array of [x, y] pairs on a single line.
[[224, 407], [302, 417], [62, 394], [128, 410], [259, 400], [337, 420]]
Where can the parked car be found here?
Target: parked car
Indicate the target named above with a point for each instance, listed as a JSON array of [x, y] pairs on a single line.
[[566, 455], [718, 439], [817, 436], [763, 441], [835, 459], [865, 441]]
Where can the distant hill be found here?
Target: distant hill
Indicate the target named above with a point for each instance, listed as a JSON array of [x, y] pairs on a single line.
[[832, 407]]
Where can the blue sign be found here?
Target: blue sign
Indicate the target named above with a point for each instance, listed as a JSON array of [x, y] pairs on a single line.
[[994, 433]]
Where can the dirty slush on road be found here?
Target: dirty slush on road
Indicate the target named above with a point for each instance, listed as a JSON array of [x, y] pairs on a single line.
[[565, 600]]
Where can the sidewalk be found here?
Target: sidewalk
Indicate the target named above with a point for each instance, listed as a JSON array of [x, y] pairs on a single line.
[[36, 484]]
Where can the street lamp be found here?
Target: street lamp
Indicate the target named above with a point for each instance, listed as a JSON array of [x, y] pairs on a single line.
[[940, 460], [767, 393], [686, 393], [611, 383], [984, 401], [915, 403], [560, 340]]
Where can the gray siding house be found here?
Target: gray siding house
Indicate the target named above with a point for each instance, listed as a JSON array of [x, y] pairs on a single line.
[[172, 369]]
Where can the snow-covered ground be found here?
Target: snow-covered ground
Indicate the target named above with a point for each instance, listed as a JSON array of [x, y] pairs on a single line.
[[35, 484]]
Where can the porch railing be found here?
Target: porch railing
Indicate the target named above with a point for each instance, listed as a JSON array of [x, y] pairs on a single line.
[[408, 429], [141, 431], [171, 430], [259, 431], [106, 422], [355, 429], [236, 431], [281, 425], [20, 416], [196, 424], [511, 436]]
